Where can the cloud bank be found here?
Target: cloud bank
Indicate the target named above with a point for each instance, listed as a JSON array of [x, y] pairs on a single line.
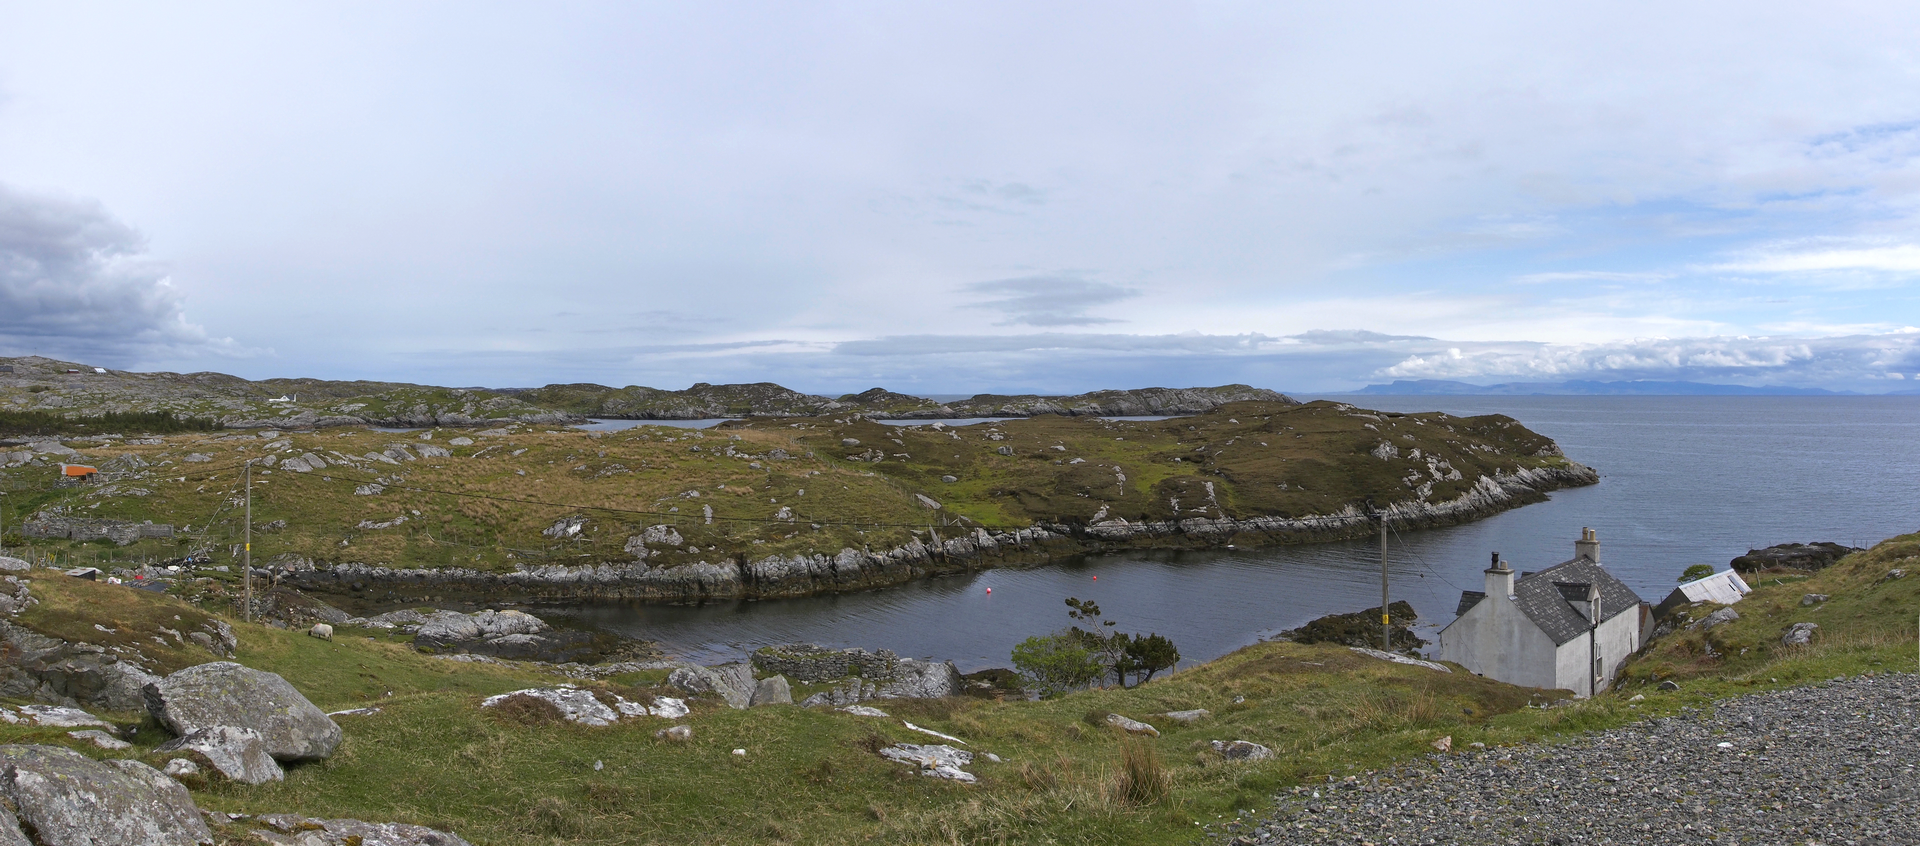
[[76, 283]]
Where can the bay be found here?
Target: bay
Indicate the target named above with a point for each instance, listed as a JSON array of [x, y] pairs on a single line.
[[1684, 480]]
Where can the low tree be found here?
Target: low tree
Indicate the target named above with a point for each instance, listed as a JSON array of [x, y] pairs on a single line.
[[1149, 655], [1059, 662], [1697, 571]]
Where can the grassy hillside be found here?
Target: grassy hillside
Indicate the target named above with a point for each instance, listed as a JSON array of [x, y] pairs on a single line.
[[784, 486], [432, 756]]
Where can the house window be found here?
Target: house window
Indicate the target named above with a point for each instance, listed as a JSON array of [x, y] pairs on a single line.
[[1596, 668]]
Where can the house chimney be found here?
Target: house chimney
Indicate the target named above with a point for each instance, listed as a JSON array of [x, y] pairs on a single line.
[[1588, 546], [1499, 578]]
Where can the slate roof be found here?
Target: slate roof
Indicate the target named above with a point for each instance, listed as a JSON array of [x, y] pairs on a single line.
[[1544, 597], [1539, 596], [1468, 599]]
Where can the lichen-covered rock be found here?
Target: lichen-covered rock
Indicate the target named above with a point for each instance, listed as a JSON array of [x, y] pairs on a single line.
[[1800, 634], [1718, 617], [1131, 726], [1189, 717], [772, 690], [227, 694], [69, 799], [575, 705], [936, 761], [239, 754], [295, 830], [1241, 750], [914, 679]]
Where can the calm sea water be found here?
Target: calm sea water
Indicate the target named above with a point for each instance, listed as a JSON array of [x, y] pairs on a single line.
[[1684, 480]]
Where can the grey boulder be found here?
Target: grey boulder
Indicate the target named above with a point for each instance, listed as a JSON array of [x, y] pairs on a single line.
[[227, 694], [237, 753], [1800, 635], [69, 799], [731, 682], [772, 690]]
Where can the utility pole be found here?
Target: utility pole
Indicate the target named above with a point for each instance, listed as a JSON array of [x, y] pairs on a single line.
[[1386, 622], [246, 563]]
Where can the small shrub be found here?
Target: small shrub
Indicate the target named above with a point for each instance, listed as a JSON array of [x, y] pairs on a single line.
[[557, 816], [1142, 779]]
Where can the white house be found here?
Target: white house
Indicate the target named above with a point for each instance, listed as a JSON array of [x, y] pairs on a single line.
[[1569, 626]]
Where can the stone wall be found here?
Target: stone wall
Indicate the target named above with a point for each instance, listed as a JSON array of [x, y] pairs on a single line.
[[814, 664], [121, 532]]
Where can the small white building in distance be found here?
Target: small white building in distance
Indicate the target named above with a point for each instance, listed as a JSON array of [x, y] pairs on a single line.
[[1569, 626]]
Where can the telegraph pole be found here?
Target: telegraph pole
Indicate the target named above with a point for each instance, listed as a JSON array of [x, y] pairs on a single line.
[[1386, 622], [246, 564]]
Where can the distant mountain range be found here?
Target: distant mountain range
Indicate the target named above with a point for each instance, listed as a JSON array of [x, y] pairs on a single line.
[[1441, 387]]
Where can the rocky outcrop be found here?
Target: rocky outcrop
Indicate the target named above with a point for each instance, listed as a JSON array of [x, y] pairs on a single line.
[[1793, 556], [934, 761], [228, 694], [239, 754], [513, 635], [52, 670], [68, 799], [1361, 628], [587, 708], [929, 553]]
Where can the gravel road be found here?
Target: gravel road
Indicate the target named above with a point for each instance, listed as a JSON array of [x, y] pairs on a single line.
[[1829, 764]]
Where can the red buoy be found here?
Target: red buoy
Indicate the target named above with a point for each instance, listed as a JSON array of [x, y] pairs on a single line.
[[989, 590]]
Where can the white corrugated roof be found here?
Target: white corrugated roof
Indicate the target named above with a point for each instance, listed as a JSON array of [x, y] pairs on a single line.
[[1724, 587]]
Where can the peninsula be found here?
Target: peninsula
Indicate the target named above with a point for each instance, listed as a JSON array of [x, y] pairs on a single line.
[[759, 507]]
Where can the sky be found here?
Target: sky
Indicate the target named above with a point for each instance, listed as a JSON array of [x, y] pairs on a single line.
[[959, 197]]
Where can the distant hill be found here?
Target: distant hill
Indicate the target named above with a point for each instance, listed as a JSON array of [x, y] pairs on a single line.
[[1441, 387], [71, 389]]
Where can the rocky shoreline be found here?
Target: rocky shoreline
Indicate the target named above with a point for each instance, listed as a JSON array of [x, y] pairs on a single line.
[[776, 576]]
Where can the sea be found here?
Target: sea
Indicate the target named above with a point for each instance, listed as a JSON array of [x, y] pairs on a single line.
[[1683, 480]]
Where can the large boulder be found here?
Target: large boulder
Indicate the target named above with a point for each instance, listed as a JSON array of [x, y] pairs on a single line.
[[227, 694], [69, 799], [239, 754]]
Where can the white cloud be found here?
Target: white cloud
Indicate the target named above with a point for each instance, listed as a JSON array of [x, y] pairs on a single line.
[[1899, 258], [1839, 362]]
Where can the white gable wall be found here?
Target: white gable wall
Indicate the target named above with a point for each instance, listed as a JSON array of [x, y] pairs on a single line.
[[1618, 638], [1496, 640]]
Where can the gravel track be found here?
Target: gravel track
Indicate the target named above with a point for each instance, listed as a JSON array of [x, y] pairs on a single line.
[[1833, 763]]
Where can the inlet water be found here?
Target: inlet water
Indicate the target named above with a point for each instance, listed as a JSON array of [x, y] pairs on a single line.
[[1683, 480]]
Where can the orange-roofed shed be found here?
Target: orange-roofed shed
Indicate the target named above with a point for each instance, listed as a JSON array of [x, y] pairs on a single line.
[[78, 471]]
